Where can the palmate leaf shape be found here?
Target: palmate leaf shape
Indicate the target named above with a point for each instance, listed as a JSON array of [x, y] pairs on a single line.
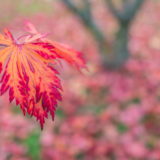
[[27, 73]]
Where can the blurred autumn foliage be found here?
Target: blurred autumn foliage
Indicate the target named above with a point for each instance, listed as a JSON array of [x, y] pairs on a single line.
[[106, 114]]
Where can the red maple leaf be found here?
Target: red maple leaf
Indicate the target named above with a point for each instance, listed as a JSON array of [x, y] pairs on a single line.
[[27, 73]]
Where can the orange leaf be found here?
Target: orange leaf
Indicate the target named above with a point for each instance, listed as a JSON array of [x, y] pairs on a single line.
[[26, 72], [62, 51]]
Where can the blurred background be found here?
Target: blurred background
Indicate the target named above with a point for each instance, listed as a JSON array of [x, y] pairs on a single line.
[[112, 112]]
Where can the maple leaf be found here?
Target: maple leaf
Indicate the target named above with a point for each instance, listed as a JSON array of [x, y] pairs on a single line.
[[26, 73]]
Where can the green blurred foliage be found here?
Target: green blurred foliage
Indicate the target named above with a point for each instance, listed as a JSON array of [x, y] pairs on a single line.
[[25, 8], [33, 145]]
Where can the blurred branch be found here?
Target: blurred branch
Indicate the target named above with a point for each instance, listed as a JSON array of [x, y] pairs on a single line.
[[113, 9], [114, 55], [71, 6], [131, 9], [87, 7], [86, 17], [128, 11], [124, 17]]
